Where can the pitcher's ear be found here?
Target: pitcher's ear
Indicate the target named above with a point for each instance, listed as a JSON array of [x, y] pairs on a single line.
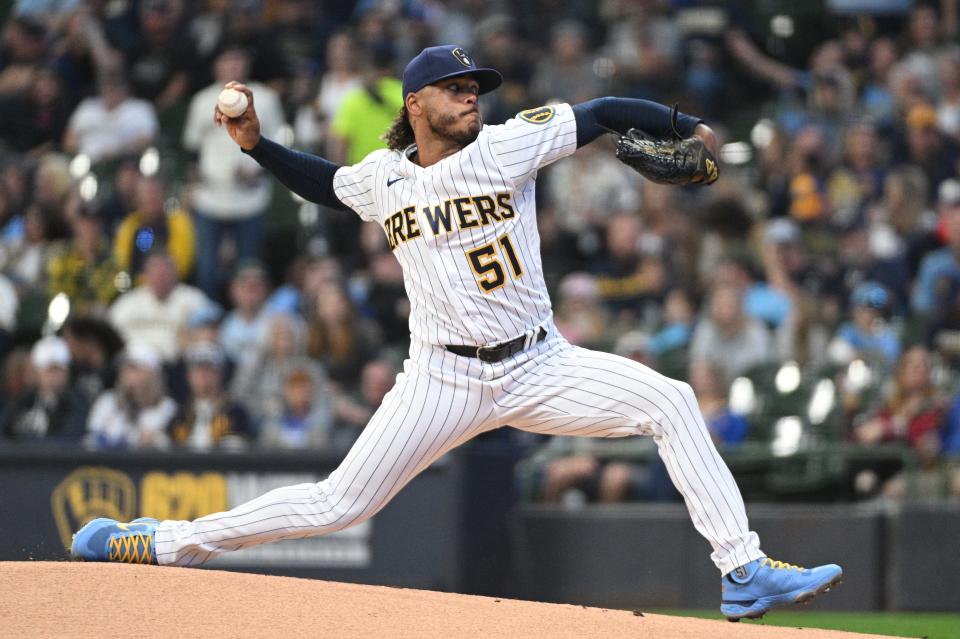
[[413, 104]]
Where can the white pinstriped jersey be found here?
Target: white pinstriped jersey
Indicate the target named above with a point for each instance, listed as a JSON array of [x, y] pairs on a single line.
[[465, 228], [465, 232]]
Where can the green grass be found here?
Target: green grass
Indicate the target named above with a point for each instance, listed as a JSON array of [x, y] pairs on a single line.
[[897, 624]]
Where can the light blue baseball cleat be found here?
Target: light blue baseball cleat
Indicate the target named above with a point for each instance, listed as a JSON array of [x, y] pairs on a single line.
[[108, 540], [753, 589]]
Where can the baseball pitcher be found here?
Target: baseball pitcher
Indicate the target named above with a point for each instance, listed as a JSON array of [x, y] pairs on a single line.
[[456, 201]]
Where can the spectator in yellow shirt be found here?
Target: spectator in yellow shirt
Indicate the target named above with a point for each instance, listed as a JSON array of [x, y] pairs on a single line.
[[85, 269], [150, 228], [366, 113]]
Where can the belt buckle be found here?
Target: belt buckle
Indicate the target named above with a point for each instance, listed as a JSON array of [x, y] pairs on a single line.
[[489, 354]]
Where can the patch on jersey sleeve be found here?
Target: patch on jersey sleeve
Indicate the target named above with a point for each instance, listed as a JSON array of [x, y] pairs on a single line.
[[540, 115]]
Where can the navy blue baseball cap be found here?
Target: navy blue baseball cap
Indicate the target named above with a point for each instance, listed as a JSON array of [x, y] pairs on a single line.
[[439, 63]]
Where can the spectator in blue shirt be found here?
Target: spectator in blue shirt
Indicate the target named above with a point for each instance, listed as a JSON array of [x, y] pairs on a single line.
[[867, 335], [245, 327], [951, 429], [726, 427], [677, 329], [940, 270]]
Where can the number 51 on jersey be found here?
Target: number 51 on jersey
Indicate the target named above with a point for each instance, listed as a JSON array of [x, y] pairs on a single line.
[[488, 267]]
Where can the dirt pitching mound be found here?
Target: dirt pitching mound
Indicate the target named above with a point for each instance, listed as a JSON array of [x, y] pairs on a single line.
[[51, 599]]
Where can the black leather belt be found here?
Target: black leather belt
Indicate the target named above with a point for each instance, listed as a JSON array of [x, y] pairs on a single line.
[[500, 351]]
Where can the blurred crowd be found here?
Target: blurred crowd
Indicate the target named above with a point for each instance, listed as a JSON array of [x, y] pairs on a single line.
[[157, 290]]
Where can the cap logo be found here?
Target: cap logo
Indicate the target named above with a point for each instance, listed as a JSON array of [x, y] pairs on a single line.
[[462, 57]]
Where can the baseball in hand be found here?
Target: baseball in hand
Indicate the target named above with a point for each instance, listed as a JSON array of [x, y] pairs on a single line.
[[232, 103]]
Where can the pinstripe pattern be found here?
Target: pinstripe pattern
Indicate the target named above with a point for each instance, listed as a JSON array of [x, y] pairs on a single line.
[[446, 305], [441, 400], [430, 410], [585, 393]]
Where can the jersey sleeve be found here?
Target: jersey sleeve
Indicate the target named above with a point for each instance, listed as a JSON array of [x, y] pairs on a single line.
[[356, 185], [532, 139]]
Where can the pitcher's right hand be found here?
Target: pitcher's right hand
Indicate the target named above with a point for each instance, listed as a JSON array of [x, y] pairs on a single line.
[[244, 129]]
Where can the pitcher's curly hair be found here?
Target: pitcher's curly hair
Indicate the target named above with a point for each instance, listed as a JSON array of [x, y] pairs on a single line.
[[400, 134]]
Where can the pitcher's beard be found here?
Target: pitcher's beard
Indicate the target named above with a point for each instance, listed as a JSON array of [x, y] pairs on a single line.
[[443, 127]]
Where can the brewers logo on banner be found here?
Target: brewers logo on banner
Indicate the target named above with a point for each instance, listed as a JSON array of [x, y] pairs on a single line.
[[90, 492]]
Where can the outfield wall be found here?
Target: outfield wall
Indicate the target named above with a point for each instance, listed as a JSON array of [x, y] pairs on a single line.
[[618, 554], [457, 527], [45, 496]]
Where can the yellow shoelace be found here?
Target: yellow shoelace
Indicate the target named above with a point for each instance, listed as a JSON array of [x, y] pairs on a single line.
[[135, 548], [777, 565]]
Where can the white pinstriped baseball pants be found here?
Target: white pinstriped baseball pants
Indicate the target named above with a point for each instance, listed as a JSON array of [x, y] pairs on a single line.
[[441, 400]]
